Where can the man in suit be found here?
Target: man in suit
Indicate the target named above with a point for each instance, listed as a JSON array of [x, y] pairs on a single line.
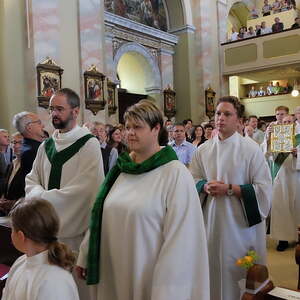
[[31, 129]]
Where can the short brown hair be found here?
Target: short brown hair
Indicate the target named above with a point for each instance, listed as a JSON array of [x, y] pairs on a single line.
[[281, 107], [146, 111], [239, 107]]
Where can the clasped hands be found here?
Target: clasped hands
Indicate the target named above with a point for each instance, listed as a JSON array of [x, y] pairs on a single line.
[[216, 188]]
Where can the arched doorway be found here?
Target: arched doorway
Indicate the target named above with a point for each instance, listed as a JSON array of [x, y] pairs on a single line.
[[138, 74]]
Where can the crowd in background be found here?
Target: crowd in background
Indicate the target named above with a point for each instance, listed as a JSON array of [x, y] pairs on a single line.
[[262, 29]]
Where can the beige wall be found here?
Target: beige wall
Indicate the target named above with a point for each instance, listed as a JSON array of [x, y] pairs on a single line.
[[13, 84]]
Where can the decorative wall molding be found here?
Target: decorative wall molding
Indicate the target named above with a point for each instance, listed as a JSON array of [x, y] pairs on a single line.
[[141, 28], [154, 76], [184, 29]]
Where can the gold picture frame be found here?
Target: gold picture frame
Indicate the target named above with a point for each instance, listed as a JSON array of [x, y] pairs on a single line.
[[169, 102], [48, 80], [111, 97], [283, 138], [94, 89], [210, 96]]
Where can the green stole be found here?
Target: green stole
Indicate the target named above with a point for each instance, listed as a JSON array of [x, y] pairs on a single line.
[[279, 160], [126, 165], [57, 159]]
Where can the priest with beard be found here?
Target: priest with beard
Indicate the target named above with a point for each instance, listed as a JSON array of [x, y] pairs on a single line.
[[67, 171]]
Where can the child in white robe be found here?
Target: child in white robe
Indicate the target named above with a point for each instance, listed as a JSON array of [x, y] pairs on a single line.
[[44, 271]]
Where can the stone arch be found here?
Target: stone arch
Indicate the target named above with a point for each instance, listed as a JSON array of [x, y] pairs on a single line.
[[179, 13], [152, 71]]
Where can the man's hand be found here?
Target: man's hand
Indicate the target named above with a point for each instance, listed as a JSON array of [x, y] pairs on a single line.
[[216, 188], [80, 272]]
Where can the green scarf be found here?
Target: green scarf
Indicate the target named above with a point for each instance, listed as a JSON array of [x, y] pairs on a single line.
[[58, 159], [281, 157], [126, 165]]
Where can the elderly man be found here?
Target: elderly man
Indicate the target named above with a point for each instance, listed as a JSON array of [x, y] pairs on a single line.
[[6, 155], [14, 181], [67, 171], [31, 128], [285, 213]]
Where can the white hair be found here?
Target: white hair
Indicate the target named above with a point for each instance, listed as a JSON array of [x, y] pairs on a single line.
[[21, 120], [3, 130]]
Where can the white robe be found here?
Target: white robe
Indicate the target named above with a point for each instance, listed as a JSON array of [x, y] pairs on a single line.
[[33, 278], [153, 244], [285, 213], [236, 160], [81, 177]]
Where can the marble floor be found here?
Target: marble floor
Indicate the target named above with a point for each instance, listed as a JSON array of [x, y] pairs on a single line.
[[282, 266]]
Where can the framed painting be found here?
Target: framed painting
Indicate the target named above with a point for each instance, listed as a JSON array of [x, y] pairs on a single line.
[[283, 138], [48, 80], [210, 95], [169, 102], [111, 97], [94, 89]]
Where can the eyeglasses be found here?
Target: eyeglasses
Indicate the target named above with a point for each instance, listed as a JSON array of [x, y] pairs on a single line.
[[37, 122]]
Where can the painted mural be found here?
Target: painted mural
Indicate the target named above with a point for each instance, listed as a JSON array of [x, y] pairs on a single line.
[[148, 12]]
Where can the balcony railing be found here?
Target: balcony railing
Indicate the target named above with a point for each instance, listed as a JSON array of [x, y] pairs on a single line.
[[261, 52]]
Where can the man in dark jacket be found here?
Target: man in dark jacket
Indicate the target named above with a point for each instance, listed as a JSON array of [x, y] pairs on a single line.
[[31, 128], [277, 26]]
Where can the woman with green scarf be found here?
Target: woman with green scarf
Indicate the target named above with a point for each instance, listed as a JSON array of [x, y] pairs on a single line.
[[146, 239]]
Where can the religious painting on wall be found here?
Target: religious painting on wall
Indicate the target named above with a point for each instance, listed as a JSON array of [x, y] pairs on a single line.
[[48, 80], [94, 89], [169, 102], [148, 12], [210, 95], [283, 138], [111, 97]]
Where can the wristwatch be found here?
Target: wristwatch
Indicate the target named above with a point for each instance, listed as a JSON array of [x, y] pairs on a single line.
[[230, 190]]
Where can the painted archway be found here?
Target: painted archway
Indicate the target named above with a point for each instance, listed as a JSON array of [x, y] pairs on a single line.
[[143, 60]]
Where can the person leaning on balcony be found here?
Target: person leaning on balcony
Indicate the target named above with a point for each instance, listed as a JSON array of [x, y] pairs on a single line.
[[277, 26], [258, 29], [266, 9], [276, 7], [264, 29], [296, 24], [234, 35], [250, 33]]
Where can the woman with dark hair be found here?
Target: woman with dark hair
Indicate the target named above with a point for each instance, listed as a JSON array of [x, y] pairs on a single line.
[[115, 140], [147, 238], [198, 136]]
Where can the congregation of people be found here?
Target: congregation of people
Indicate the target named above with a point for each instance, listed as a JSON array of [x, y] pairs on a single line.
[[269, 90], [261, 29], [149, 209]]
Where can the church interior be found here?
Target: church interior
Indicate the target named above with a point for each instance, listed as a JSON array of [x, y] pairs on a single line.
[[182, 56]]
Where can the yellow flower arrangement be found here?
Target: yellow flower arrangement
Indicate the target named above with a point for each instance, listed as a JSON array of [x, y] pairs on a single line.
[[247, 261]]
